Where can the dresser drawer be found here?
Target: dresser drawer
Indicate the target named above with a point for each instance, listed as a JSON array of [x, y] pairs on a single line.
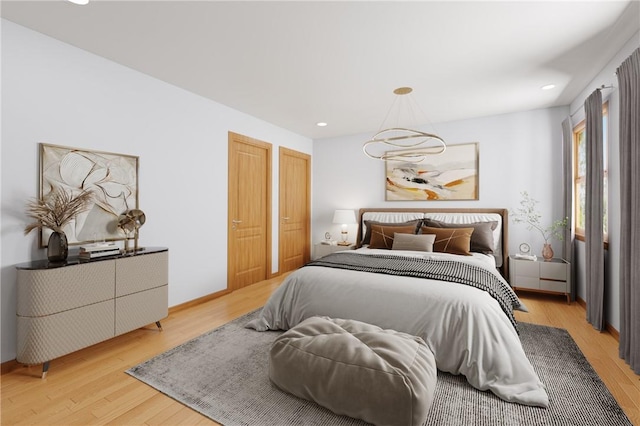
[[139, 309], [49, 291], [139, 273], [43, 338]]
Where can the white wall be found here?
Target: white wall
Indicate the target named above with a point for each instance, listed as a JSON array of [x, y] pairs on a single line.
[[518, 152], [607, 77], [58, 94]]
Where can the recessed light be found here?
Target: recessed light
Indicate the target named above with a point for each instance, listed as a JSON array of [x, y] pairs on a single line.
[[80, 2], [548, 87], [321, 124]]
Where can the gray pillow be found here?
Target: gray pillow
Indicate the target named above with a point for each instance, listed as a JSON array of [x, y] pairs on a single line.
[[368, 223], [422, 242], [481, 238]]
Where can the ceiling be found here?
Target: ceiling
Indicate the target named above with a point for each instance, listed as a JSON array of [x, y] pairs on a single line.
[[294, 64]]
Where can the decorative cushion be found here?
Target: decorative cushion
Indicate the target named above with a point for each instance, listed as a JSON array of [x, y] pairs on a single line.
[[382, 236], [413, 242], [450, 240], [481, 239], [367, 223], [356, 369]]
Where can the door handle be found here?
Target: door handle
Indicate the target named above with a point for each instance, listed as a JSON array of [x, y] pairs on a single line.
[[285, 218], [235, 223]]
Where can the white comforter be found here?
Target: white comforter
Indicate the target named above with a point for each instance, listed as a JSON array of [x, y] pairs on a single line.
[[465, 327]]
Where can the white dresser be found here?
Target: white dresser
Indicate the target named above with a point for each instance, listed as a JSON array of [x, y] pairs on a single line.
[[64, 308]]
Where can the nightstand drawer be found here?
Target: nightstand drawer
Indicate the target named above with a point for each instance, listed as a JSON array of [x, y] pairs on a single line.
[[553, 271], [559, 286], [528, 268], [526, 282]]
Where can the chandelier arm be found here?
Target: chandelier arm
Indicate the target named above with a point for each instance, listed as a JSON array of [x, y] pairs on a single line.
[[401, 155], [400, 138]]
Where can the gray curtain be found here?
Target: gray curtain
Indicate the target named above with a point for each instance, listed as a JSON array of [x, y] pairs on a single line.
[[594, 240], [629, 88], [567, 199]]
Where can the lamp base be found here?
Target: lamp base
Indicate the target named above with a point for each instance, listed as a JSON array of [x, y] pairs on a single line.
[[344, 243]]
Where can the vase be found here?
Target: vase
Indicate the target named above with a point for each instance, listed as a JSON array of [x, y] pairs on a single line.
[[547, 252], [57, 247]]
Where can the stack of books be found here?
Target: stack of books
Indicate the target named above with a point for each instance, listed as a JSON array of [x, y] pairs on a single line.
[[526, 256], [93, 251]]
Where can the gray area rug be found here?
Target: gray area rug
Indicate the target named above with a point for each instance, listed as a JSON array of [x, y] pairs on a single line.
[[223, 374]]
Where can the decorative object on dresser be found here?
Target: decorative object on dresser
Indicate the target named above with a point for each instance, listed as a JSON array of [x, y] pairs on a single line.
[[62, 309], [130, 222], [96, 250], [111, 178], [546, 276], [56, 211], [528, 215], [452, 175], [344, 218]]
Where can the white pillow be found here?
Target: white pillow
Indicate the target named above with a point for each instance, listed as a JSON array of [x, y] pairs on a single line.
[[422, 242]]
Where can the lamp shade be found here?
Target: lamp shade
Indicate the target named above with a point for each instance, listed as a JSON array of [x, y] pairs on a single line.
[[344, 217]]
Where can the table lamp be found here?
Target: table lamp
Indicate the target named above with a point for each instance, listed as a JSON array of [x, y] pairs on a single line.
[[344, 218]]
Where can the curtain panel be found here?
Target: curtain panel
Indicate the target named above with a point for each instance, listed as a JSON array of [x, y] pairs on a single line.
[[594, 239], [629, 88], [567, 199]]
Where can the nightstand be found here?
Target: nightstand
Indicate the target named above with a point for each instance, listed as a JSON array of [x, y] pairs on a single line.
[[551, 276], [320, 250]]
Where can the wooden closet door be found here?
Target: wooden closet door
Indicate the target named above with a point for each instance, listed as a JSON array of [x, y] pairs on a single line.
[[249, 227], [295, 209]]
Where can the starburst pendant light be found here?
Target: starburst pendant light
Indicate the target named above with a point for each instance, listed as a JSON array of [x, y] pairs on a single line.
[[408, 145]]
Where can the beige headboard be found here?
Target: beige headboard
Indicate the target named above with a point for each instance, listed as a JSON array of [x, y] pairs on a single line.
[[502, 259]]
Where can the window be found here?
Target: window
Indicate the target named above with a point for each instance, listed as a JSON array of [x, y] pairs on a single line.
[[580, 170]]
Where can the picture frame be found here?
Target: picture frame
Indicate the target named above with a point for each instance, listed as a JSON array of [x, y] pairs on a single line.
[[450, 176], [111, 177]]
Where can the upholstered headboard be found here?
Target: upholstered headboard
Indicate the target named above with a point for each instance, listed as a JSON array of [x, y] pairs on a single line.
[[457, 216]]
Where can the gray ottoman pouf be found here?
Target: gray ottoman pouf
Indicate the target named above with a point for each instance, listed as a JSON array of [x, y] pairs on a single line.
[[381, 376]]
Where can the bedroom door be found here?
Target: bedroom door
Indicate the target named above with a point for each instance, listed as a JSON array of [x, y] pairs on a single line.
[[294, 242], [249, 211]]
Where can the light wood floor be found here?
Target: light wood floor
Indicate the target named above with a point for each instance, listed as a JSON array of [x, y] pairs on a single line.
[[90, 386]]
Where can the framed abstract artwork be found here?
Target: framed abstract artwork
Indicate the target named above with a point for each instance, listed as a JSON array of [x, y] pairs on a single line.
[[452, 175], [111, 178]]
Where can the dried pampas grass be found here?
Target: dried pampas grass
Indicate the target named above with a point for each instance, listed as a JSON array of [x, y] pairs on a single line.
[[57, 210]]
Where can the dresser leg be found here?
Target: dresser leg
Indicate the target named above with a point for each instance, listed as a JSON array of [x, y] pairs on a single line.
[[159, 325], [45, 369]]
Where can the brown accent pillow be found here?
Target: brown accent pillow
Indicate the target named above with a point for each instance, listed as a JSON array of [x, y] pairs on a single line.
[[382, 236], [450, 240], [481, 239], [367, 223]]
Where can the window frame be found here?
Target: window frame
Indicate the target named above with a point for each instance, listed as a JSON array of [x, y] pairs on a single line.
[[580, 179]]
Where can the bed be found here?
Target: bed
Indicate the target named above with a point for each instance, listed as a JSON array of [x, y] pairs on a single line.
[[454, 298]]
